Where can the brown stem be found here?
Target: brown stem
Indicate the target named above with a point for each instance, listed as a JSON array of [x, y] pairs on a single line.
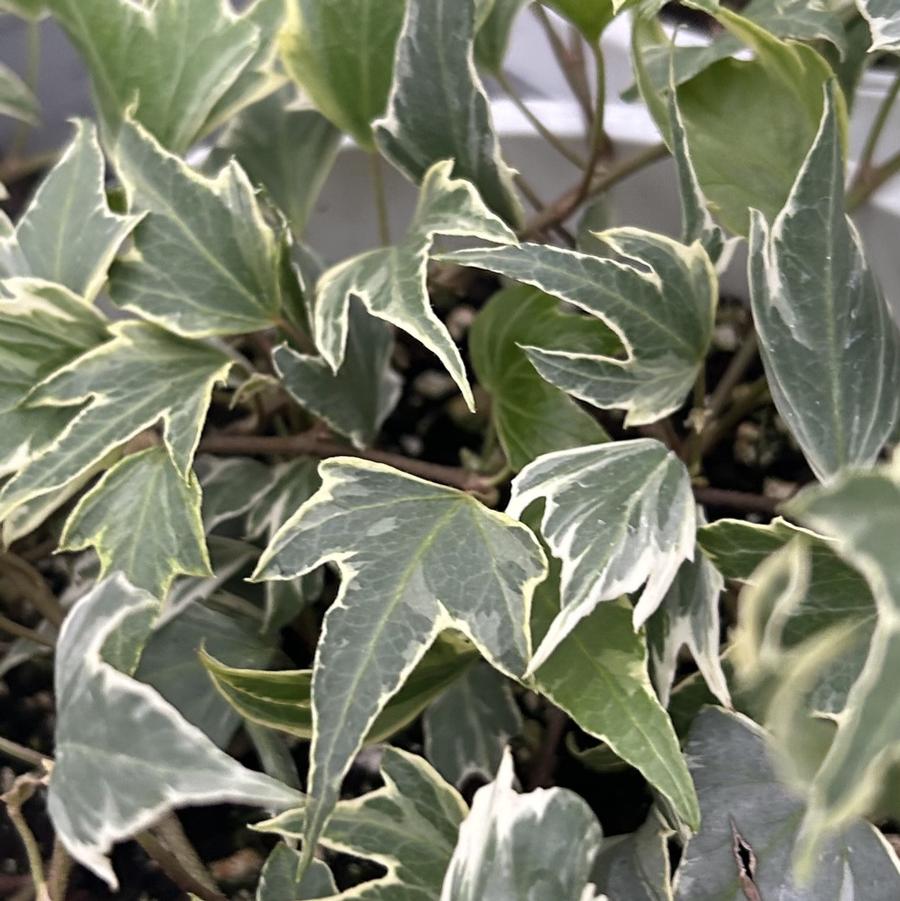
[[736, 500], [868, 182], [751, 397], [60, 870], [22, 789], [172, 867], [572, 70], [541, 775], [37, 591], [171, 832], [11, 627], [25, 755]]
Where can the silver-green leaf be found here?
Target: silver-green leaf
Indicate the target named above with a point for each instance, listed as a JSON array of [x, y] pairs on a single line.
[[278, 880], [883, 18]]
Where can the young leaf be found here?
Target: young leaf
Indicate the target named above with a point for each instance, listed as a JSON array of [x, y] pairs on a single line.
[[590, 17], [540, 844], [438, 109], [883, 18], [206, 262], [531, 416], [750, 821], [598, 675], [171, 61], [469, 725], [125, 386], [124, 756], [17, 100], [391, 281], [278, 880], [409, 827], [662, 309], [617, 516], [143, 519], [341, 52], [415, 559], [830, 347], [67, 234]]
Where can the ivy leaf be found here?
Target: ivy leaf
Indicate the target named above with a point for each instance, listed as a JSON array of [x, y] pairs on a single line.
[[125, 386], [598, 675], [171, 61], [590, 17], [749, 823], [17, 100], [883, 19], [469, 725], [663, 313], [206, 263], [341, 52], [531, 416], [829, 345], [391, 281], [617, 516], [492, 39], [143, 519], [503, 849], [397, 541], [108, 784], [278, 880], [231, 487], [430, 119], [67, 234], [409, 827]]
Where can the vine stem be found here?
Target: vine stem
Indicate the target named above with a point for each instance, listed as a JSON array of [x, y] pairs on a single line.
[[567, 63], [34, 587], [21, 753], [377, 173], [736, 500], [870, 182], [173, 868], [22, 789], [11, 627], [865, 169]]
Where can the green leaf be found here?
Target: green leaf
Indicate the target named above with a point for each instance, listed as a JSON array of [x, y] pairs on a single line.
[[124, 386], [469, 725], [143, 519], [278, 880], [531, 416], [28, 9], [750, 821], [168, 63], [883, 18], [391, 281], [16, 99], [598, 675], [109, 783], [409, 827], [414, 558], [661, 305], [341, 52], [492, 39], [590, 17], [286, 150], [205, 261], [617, 516], [505, 849], [67, 234], [231, 487], [281, 699], [829, 345], [438, 109]]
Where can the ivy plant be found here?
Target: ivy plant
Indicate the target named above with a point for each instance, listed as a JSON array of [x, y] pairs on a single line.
[[511, 558]]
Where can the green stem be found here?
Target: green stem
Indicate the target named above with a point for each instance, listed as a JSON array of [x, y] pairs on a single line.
[[868, 153], [375, 167], [566, 63], [871, 181]]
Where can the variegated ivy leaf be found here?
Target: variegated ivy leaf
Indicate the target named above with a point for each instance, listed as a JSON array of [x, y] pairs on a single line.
[[883, 18], [492, 39], [17, 100], [278, 880], [430, 118], [341, 52], [124, 756], [43, 327], [124, 386], [205, 261], [469, 725], [391, 281], [829, 345], [617, 516], [530, 415], [415, 558], [67, 234], [750, 821], [539, 845], [663, 313], [170, 62], [409, 827], [231, 487], [143, 519]]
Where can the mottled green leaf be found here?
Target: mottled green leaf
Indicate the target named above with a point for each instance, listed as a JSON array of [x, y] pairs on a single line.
[[278, 880], [469, 725], [539, 845], [661, 305], [341, 52], [617, 516], [391, 281], [828, 342], [16, 99], [143, 520], [750, 821], [883, 17], [438, 109], [492, 39], [409, 827], [67, 234], [124, 386], [123, 755], [205, 261], [415, 559], [530, 415]]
